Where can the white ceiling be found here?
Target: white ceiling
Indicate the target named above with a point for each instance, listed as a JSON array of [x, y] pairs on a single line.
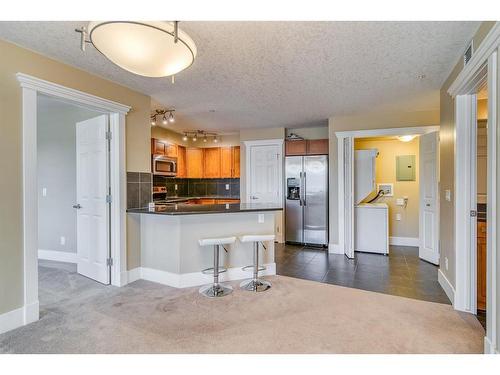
[[268, 74]]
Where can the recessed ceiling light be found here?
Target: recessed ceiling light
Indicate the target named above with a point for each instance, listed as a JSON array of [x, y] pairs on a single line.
[[211, 110], [421, 76]]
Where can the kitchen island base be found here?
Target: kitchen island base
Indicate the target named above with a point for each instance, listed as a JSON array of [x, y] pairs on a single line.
[[171, 254]]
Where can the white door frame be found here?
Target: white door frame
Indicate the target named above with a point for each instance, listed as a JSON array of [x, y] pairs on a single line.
[[483, 65], [31, 87], [418, 130]]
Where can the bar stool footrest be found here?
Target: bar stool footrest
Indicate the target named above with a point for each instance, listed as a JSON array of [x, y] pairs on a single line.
[[210, 271], [251, 267]]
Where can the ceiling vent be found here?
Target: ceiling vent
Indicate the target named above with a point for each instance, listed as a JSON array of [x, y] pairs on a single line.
[[468, 53]]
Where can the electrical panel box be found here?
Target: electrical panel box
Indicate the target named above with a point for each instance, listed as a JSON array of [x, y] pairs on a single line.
[[405, 168]]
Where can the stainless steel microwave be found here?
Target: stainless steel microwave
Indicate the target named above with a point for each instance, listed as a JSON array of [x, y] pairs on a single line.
[[164, 165]]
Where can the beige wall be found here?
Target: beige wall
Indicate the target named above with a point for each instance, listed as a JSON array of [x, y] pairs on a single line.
[[174, 137], [15, 59], [385, 165], [368, 121], [316, 132], [447, 163], [482, 109]]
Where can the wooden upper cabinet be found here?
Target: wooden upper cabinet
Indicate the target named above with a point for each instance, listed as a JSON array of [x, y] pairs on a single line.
[[171, 150], [157, 147], [226, 162], [236, 162], [181, 161], [317, 147], [295, 148], [211, 162], [306, 147], [194, 163]]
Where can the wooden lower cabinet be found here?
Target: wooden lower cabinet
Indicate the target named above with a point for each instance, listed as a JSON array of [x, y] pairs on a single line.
[[194, 162], [211, 162], [212, 201], [481, 265]]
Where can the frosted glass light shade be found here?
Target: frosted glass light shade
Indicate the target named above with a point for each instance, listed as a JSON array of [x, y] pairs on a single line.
[[143, 48]]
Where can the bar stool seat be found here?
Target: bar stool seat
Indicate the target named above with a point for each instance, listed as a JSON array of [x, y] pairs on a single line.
[[255, 284], [216, 289]]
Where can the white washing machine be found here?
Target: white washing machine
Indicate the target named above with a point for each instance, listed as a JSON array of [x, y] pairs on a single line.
[[371, 223]]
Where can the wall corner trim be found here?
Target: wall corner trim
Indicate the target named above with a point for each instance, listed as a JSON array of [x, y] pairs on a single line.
[[447, 287]]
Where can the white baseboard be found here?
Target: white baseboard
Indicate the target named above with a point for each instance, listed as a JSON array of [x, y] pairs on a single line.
[[11, 320], [59, 256], [334, 248], [19, 317], [447, 287], [186, 280], [404, 241]]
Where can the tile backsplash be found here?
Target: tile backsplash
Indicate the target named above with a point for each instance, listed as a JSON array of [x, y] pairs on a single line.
[[140, 186], [199, 187], [139, 189]]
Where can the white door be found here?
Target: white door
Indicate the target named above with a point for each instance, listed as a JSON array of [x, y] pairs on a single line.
[[348, 197], [265, 177], [91, 191], [429, 198]]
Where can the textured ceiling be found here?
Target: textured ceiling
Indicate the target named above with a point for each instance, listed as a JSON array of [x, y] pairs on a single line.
[[267, 74]]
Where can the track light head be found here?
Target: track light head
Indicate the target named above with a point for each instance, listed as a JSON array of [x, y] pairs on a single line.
[[171, 117]]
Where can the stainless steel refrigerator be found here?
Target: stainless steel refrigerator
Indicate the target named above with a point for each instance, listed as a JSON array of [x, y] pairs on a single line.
[[306, 199]]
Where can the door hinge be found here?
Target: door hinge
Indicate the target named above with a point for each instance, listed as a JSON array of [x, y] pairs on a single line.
[[109, 262], [108, 135], [109, 198], [473, 213]]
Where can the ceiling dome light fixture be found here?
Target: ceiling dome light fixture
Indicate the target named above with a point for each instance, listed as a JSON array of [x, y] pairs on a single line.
[[406, 138], [147, 48]]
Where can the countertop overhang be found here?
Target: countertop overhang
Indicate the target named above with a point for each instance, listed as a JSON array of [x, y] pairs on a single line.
[[199, 209]]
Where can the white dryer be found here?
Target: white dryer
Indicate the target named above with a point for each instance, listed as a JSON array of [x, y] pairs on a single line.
[[371, 221]]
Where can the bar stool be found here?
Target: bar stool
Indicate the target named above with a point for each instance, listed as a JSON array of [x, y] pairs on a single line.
[[255, 284], [216, 289]]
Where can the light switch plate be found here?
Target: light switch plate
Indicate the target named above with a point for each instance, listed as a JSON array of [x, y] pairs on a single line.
[[63, 240], [447, 195], [227, 186], [261, 218], [398, 217], [44, 192], [400, 202]]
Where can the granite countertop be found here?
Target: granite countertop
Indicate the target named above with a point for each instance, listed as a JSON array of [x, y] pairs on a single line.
[[183, 199], [195, 209]]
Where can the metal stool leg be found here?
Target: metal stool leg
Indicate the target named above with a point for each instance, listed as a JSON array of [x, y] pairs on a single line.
[[255, 284], [216, 289]]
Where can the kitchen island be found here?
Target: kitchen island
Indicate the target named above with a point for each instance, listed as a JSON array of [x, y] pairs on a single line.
[[171, 255]]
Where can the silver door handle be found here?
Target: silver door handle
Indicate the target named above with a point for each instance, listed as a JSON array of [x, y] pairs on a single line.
[[77, 206]]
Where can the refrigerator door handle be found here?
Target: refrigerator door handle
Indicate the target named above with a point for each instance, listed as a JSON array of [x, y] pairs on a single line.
[[304, 188], [300, 189]]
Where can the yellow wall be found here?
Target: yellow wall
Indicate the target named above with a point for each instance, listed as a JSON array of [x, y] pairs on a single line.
[[15, 59], [386, 173]]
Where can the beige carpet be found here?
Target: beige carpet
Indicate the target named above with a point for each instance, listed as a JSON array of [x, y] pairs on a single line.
[[295, 316]]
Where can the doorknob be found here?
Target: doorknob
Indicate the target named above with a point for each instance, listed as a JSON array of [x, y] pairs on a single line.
[[77, 206], [253, 197]]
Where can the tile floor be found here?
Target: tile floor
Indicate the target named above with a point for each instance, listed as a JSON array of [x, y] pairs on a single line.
[[402, 273]]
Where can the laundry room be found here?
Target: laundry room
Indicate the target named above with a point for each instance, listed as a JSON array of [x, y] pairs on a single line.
[[386, 193]]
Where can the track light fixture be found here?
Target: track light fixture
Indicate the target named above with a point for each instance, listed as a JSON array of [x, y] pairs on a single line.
[[195, 134], [164, 119]]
